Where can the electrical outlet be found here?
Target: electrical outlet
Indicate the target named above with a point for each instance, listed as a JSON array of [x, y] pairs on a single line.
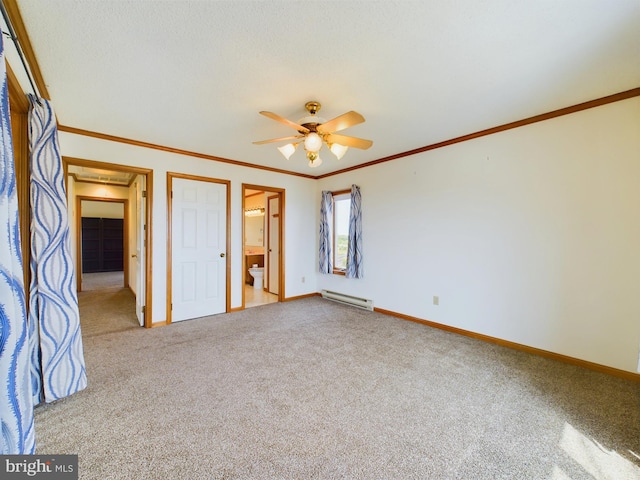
[[436, 300], [302, 279]]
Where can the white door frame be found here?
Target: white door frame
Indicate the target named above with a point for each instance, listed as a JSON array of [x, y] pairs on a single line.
[[148, 174], [170, 177]]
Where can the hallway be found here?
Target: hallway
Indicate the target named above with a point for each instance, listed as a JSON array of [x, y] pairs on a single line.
[[106, 310]]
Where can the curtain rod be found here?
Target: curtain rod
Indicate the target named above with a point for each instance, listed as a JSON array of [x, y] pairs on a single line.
[[14, 38]]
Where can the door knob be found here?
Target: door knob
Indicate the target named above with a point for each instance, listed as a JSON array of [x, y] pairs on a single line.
[[134, 255], [222, 255]]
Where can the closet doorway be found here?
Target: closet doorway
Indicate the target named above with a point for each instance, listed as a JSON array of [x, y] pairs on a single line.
[[103, 230]]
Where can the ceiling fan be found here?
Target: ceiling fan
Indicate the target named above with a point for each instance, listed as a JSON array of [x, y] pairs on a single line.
[[314, 131]]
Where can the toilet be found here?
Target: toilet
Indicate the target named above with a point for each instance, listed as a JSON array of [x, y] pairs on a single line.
[[257, 274]]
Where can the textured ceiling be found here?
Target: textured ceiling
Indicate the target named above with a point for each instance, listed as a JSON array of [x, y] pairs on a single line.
[[193, 75], [98, 175]]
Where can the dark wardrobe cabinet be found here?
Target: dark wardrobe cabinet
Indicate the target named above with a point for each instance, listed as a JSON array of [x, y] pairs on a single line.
[[102, 244]]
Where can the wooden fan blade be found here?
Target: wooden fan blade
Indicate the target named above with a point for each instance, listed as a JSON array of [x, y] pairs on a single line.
[[289, 123], [281, 139], [348, 141], [345, 120]]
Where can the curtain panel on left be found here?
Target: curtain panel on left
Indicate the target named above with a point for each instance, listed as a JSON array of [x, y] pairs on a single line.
[[57, 356], [325, 257], [16, 407]]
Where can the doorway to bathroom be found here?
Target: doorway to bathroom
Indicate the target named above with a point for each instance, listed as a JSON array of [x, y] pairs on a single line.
[[262, 233]]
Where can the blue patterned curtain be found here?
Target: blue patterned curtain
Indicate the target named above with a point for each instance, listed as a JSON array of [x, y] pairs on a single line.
[[326, 215], [354, 251], [16, 409], [57, 359]]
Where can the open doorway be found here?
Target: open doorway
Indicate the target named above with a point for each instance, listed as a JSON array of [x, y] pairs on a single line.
[[105, 302], [95, 189], [102, 224], [263, 245]]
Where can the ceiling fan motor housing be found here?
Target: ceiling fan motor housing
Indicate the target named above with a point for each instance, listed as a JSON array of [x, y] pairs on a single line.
[[311, 121]]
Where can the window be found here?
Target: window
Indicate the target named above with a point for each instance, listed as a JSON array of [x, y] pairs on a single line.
[[340, 236], [341, 212]]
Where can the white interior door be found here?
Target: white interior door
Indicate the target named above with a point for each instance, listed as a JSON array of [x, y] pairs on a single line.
[[140, 248], [274, 244], [198, 244]]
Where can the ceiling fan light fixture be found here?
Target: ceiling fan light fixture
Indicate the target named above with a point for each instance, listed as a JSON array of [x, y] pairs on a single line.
[[338, 150], [313, 132], [313, 142], [316, 162], [288, 149]]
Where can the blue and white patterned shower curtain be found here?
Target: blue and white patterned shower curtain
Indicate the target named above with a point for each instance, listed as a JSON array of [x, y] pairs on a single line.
[[16, 409], [57, 358], [354, 251], [326, 212]]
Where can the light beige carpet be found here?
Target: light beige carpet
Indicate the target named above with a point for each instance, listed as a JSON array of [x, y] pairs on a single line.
[[102, 280], [316, 390]]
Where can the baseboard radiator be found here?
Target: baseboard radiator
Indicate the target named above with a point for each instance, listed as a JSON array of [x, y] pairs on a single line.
[[348, 299]]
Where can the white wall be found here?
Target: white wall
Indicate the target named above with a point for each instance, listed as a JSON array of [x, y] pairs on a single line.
[[104, 191], [300, 231], [531, 235], [102, 209]]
